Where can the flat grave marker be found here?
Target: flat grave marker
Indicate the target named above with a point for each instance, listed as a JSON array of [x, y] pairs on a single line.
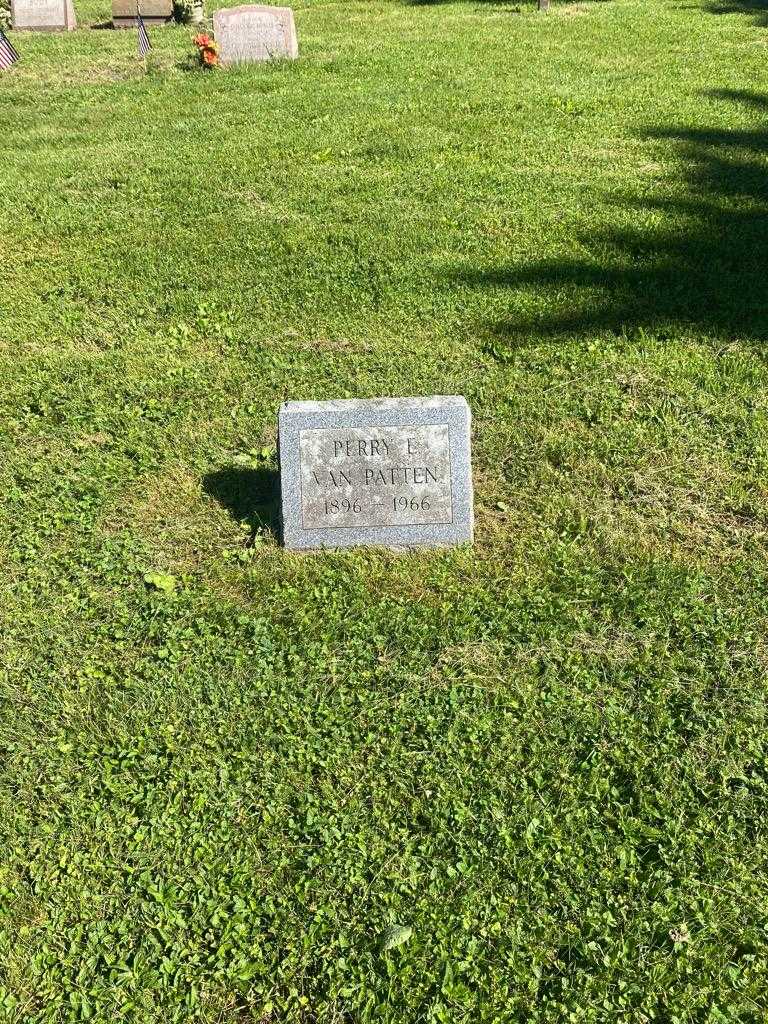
[[254, 32], [394, 472], [43, 15]]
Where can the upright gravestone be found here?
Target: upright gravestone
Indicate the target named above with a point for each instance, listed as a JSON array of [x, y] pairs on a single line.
[[254, 33], [388, 471], [153, 12], [43, 15]]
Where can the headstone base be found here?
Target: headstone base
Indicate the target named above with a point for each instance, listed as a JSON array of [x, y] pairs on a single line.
[[132, 23]]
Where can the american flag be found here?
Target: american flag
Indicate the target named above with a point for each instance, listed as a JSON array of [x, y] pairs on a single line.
[[8, 55], [144, 44]]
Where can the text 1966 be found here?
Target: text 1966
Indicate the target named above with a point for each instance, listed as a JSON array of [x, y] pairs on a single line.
[[337, 506]]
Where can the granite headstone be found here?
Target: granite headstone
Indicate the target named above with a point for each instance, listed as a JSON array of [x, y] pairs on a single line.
[[43, 15], [153, 12], [254, 32], [394, 472]]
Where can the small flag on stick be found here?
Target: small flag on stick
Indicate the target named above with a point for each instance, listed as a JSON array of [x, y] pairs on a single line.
[[144, 44], [8, 55]]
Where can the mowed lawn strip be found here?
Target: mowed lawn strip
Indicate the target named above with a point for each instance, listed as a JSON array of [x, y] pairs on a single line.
[[524, 781]]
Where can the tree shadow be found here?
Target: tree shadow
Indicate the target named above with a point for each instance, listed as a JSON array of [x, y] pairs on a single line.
[[251, 496], [757, 9], [702, 268], [511, 6]]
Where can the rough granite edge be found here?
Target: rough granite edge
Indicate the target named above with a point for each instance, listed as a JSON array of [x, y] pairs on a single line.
[[340, 404], [225, 14]]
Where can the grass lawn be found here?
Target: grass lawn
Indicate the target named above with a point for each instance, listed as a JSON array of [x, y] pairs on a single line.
[[536, 769]]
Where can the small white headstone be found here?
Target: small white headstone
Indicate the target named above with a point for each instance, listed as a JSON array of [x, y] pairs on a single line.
[[254, 32], [43, 15]]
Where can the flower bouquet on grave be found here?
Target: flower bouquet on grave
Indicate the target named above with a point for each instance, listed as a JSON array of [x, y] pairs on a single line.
[[207, 50]]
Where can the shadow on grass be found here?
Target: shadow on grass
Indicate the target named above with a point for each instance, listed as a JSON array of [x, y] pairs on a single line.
[[703, 266], [513, 7], [757, 9], [249, 495]]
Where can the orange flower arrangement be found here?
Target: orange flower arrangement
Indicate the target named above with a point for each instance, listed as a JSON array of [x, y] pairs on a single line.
[[208, 50]]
